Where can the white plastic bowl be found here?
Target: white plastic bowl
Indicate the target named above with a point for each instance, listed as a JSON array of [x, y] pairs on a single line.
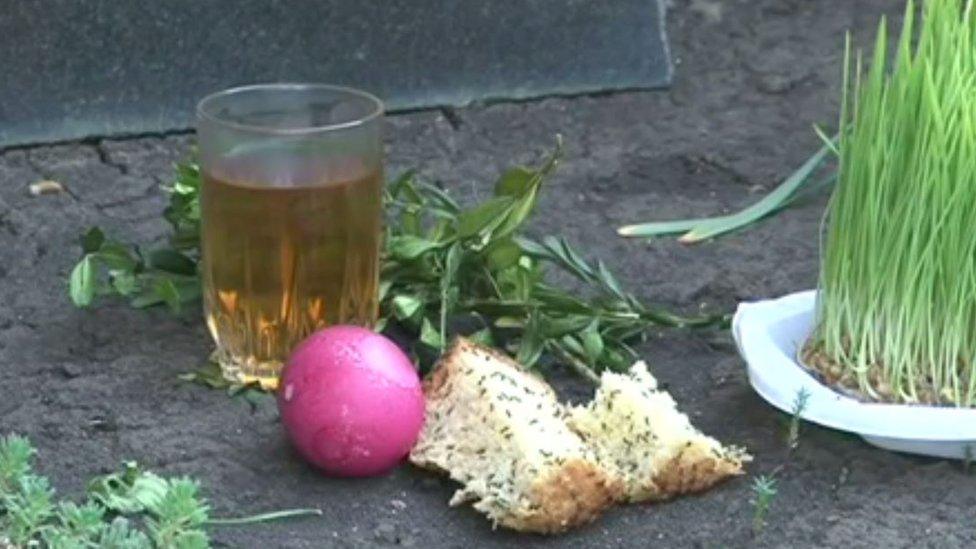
[[769, 334]]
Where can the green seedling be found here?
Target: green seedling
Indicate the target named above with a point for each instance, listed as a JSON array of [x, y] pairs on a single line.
[[763, 493], [799, 406]]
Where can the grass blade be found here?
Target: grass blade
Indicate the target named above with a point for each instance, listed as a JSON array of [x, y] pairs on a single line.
[[265, 517], [704, 228]]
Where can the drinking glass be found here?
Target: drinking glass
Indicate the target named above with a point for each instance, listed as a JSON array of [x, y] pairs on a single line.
[[291, 207]]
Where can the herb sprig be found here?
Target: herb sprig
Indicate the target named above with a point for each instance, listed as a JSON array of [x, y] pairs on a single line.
[[166, 275], [444, 266]]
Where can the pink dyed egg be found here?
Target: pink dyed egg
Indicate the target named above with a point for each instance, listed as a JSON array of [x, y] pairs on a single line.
[[351, 401]]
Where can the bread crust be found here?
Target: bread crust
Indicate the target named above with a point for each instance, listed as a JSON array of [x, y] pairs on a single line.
[[688, 473], [576, 494]]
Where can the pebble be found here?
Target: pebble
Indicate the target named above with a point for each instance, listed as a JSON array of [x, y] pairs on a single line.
[[398, 504], [45, 187], [103, 423]]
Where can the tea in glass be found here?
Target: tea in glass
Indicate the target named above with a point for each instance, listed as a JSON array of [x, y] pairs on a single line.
[[291, 207]]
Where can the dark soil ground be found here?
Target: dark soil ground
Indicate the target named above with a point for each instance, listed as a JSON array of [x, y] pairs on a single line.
[[94, 387]]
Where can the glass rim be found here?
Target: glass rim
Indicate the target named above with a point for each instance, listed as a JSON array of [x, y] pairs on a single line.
[[376, 108]]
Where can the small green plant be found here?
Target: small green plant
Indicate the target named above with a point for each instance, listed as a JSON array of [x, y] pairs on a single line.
[[897, 314], [799, 406], [763, 492], [132, 509]]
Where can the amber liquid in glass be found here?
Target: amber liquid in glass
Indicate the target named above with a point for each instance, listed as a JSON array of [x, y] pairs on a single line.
[[283, 261]]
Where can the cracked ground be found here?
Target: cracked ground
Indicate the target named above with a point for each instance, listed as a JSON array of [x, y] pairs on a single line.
[[94, 387]]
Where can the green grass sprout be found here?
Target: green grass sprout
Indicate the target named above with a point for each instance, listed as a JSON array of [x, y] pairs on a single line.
[[896, 319]]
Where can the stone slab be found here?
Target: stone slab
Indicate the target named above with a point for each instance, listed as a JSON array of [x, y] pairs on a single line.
[[78, 68]]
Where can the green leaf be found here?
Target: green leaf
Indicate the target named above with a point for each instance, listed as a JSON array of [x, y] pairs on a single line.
[[571, 258], [384, 288], [187, 180], [430, 335], [516, 181], [484, 217], [406, 306], [532, 343], [408, 247], [438, 199], [188, 287], [516, 215], [511, 322], [82, 282], [503, 254], [404, 180], [573, 345], [563, 302], [125, 283], [208, 375], [560, 326], [558, 251], [92, 240], [617, 361], [116, 257], [130, 491], [172, 261], [452, 262], [483, 337], [592, 343], [166, 290], [532, 247], [120, 534], [610, 281], [410, 222]]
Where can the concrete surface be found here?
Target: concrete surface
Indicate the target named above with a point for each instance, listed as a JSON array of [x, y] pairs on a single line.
[[94, 387]]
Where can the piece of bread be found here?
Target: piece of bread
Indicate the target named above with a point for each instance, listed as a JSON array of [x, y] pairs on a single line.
[[501, 432], [532, 464], [639, 436]]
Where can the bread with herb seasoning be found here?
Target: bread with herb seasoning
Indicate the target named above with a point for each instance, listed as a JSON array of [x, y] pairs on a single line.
[[501, 432], [639, 435]]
